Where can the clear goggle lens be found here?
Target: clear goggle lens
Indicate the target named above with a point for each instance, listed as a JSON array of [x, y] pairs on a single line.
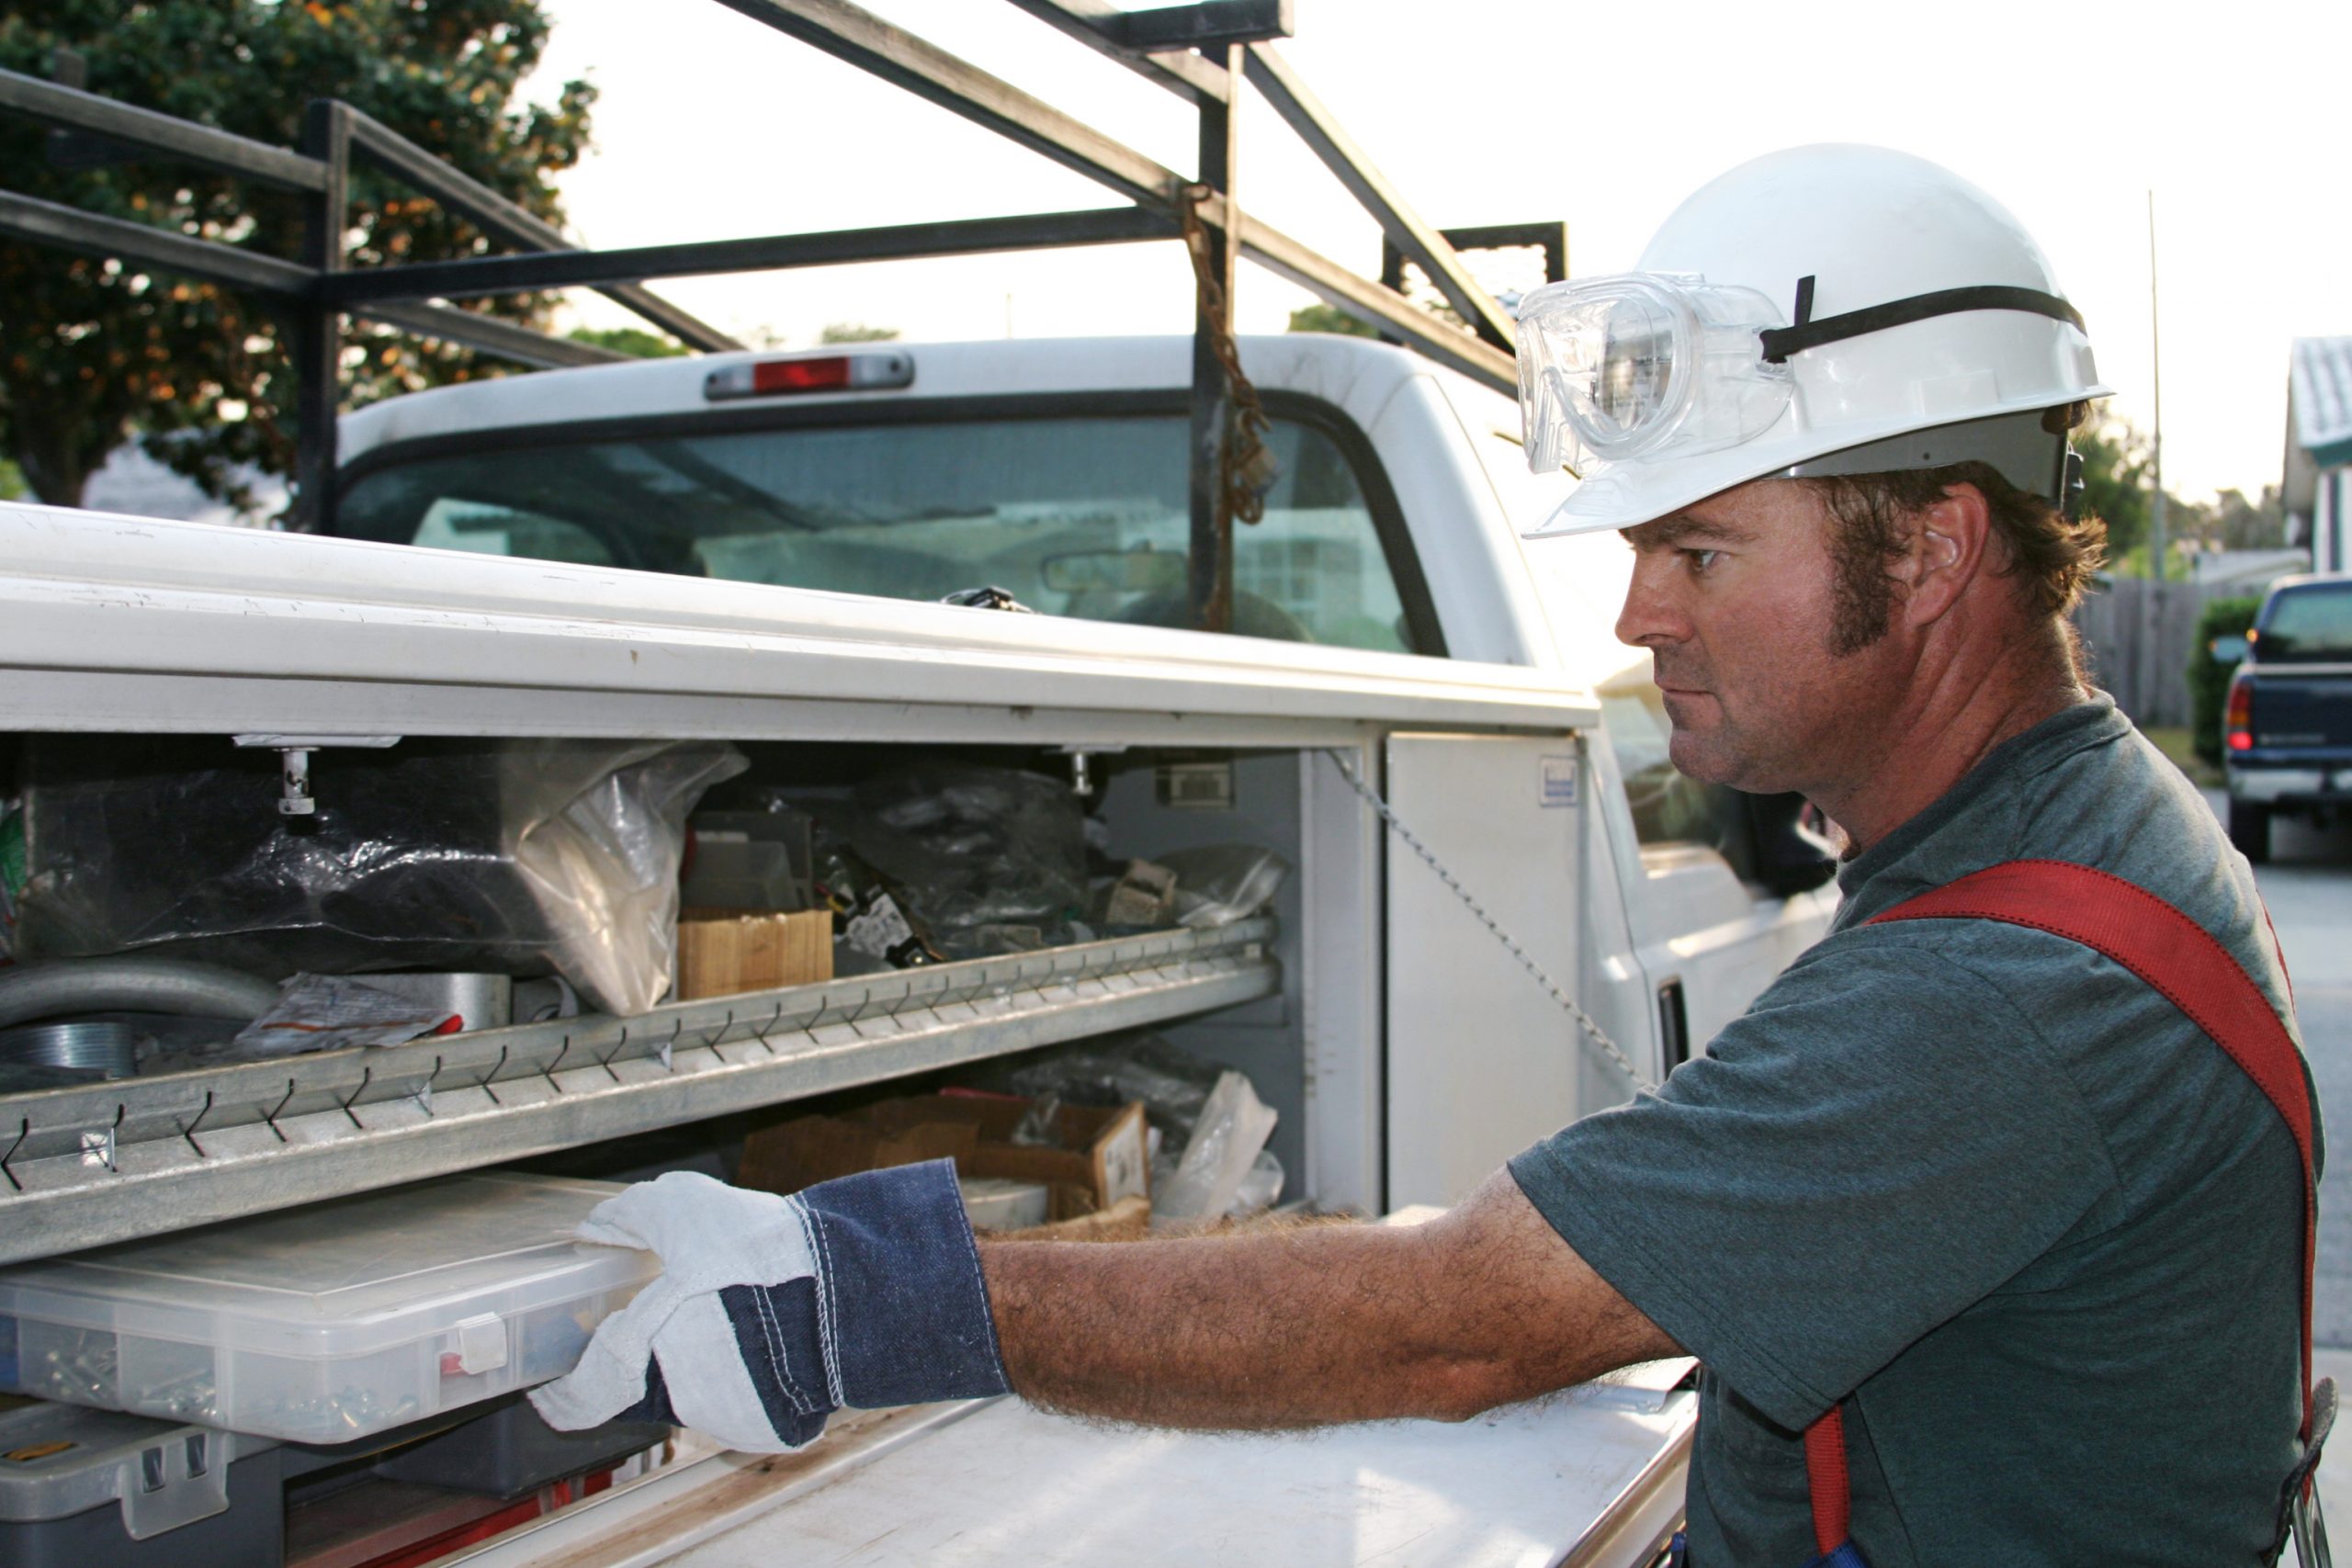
[[1617, 367]]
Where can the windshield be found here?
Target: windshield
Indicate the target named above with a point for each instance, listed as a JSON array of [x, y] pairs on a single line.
[[1078, 516], [2309, 623]]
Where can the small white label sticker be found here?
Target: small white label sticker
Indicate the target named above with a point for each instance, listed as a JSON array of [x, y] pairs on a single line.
[[1557, 782]]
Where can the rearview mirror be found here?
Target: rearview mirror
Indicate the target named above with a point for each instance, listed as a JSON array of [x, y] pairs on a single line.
[[1114, 571], [2231, 649]]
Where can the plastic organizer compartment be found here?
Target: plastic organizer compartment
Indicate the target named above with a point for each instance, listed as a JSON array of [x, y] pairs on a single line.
[[328, 1323]]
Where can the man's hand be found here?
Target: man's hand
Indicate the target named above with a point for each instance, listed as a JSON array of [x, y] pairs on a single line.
[[1315, 1324]]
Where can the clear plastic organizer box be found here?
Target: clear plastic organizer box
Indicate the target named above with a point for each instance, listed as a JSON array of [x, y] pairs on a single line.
[[327, 1322]]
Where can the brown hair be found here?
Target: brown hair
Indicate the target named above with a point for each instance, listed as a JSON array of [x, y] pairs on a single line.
[[2051, 556]]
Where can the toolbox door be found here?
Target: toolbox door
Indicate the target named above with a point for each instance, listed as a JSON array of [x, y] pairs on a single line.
[[1482, 1060]]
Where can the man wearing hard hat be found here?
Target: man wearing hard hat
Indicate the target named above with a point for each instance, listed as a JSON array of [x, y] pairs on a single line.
[[1990, 1220]]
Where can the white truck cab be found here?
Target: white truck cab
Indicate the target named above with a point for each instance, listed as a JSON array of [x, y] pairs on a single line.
[[748, 548]]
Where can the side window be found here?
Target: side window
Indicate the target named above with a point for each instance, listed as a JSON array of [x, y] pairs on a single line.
[[1316, 555], [1669, 807]]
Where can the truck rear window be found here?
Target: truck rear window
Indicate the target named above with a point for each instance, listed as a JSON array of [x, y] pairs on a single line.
[[1079, 516], [2310, 623]]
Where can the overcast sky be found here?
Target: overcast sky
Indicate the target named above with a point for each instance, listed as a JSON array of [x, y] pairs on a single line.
[[1492, 111]]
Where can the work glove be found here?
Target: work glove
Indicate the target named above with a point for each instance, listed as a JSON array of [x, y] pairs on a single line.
[[772, 1313]]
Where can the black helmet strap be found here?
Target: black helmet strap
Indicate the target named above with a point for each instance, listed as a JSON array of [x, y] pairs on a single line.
[[1781, 342]]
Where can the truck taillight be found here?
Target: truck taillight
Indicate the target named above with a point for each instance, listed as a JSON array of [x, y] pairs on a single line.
[[2237, 722], [810, 373]]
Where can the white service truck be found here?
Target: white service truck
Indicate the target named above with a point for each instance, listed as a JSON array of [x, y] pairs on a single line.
[[1429, 720]]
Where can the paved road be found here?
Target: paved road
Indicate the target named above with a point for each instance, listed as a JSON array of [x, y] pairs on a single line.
[[2308, 886]]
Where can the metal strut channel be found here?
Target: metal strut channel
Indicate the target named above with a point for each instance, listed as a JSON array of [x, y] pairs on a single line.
[[87, 1166]]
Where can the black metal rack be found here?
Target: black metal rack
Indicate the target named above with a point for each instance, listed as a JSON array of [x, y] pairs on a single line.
[[1199, 51]]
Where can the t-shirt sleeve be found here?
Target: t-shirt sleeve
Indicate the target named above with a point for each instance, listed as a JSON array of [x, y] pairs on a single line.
[[1878, 1143]]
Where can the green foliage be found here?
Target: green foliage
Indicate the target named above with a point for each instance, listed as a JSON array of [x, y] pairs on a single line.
[[2118, 486], [2209, 678], [1328, 318], [12, 482], [95, 350], [2234, 523], [2116, 461], [633, 341], [856, 331]]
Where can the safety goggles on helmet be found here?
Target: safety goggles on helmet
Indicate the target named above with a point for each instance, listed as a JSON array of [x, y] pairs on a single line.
[[1655, 364]]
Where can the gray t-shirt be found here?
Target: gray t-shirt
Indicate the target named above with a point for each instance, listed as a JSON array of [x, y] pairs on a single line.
[[1987, 1186]]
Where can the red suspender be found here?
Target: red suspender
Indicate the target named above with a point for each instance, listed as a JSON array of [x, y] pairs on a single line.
[[2184, 962], [1833, 1489]]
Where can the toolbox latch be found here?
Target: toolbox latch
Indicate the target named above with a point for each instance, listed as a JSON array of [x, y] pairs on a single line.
[[481, 1344], [179, 1480]]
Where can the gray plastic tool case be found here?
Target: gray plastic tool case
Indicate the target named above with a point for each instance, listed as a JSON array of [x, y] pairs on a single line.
[[85, 1489]]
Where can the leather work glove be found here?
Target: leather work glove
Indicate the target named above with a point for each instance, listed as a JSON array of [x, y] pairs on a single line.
[[772, 1313]]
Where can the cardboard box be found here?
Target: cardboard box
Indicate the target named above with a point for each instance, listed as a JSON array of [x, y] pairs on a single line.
[[721, 952], [1102, 1157]]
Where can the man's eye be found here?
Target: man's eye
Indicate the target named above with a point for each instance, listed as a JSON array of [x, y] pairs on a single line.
[[1699, 560]]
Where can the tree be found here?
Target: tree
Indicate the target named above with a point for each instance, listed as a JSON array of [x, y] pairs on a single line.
[[1328, 318], [2116, 460], [2234, 523], [633, 341], [857, 331], [96, 351]]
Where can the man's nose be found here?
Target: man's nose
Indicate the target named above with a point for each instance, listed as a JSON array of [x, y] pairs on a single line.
[[1651, 615]]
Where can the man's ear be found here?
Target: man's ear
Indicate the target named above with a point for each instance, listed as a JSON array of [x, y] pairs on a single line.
[[1949, 544]]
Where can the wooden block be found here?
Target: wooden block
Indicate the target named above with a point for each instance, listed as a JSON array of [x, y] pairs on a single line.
[[723, 951]]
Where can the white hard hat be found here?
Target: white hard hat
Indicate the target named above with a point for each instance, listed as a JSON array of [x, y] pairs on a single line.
[[1824, 309]]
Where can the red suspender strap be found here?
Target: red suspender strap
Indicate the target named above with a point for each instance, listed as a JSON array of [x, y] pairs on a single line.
[[1833, 1490], [2184, 965]]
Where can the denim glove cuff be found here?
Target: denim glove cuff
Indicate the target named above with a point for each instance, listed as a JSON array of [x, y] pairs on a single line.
[[905, 1311]]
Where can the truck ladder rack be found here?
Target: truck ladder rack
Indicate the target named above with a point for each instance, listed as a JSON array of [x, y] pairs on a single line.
[[85, 1165]]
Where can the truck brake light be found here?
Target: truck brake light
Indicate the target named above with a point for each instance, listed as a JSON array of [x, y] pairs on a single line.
[[820, 373], [2237, 721]]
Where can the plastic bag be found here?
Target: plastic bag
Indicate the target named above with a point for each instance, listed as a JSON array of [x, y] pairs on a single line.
[[515, 857], [1172, 1084], [984, 860], [328, 1012], [1223, 884], [1262, 1186], [1233, 1127]]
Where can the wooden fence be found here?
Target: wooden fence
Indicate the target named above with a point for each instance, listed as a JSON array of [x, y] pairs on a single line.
[[2139, 635]]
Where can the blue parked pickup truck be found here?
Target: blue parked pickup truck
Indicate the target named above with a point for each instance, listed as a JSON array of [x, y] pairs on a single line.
[[2287, 733]]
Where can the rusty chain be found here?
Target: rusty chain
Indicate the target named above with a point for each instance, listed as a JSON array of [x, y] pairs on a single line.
[[1246, 467]]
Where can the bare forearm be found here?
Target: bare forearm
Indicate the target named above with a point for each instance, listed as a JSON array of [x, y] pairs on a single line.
[[1301, 1327]]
